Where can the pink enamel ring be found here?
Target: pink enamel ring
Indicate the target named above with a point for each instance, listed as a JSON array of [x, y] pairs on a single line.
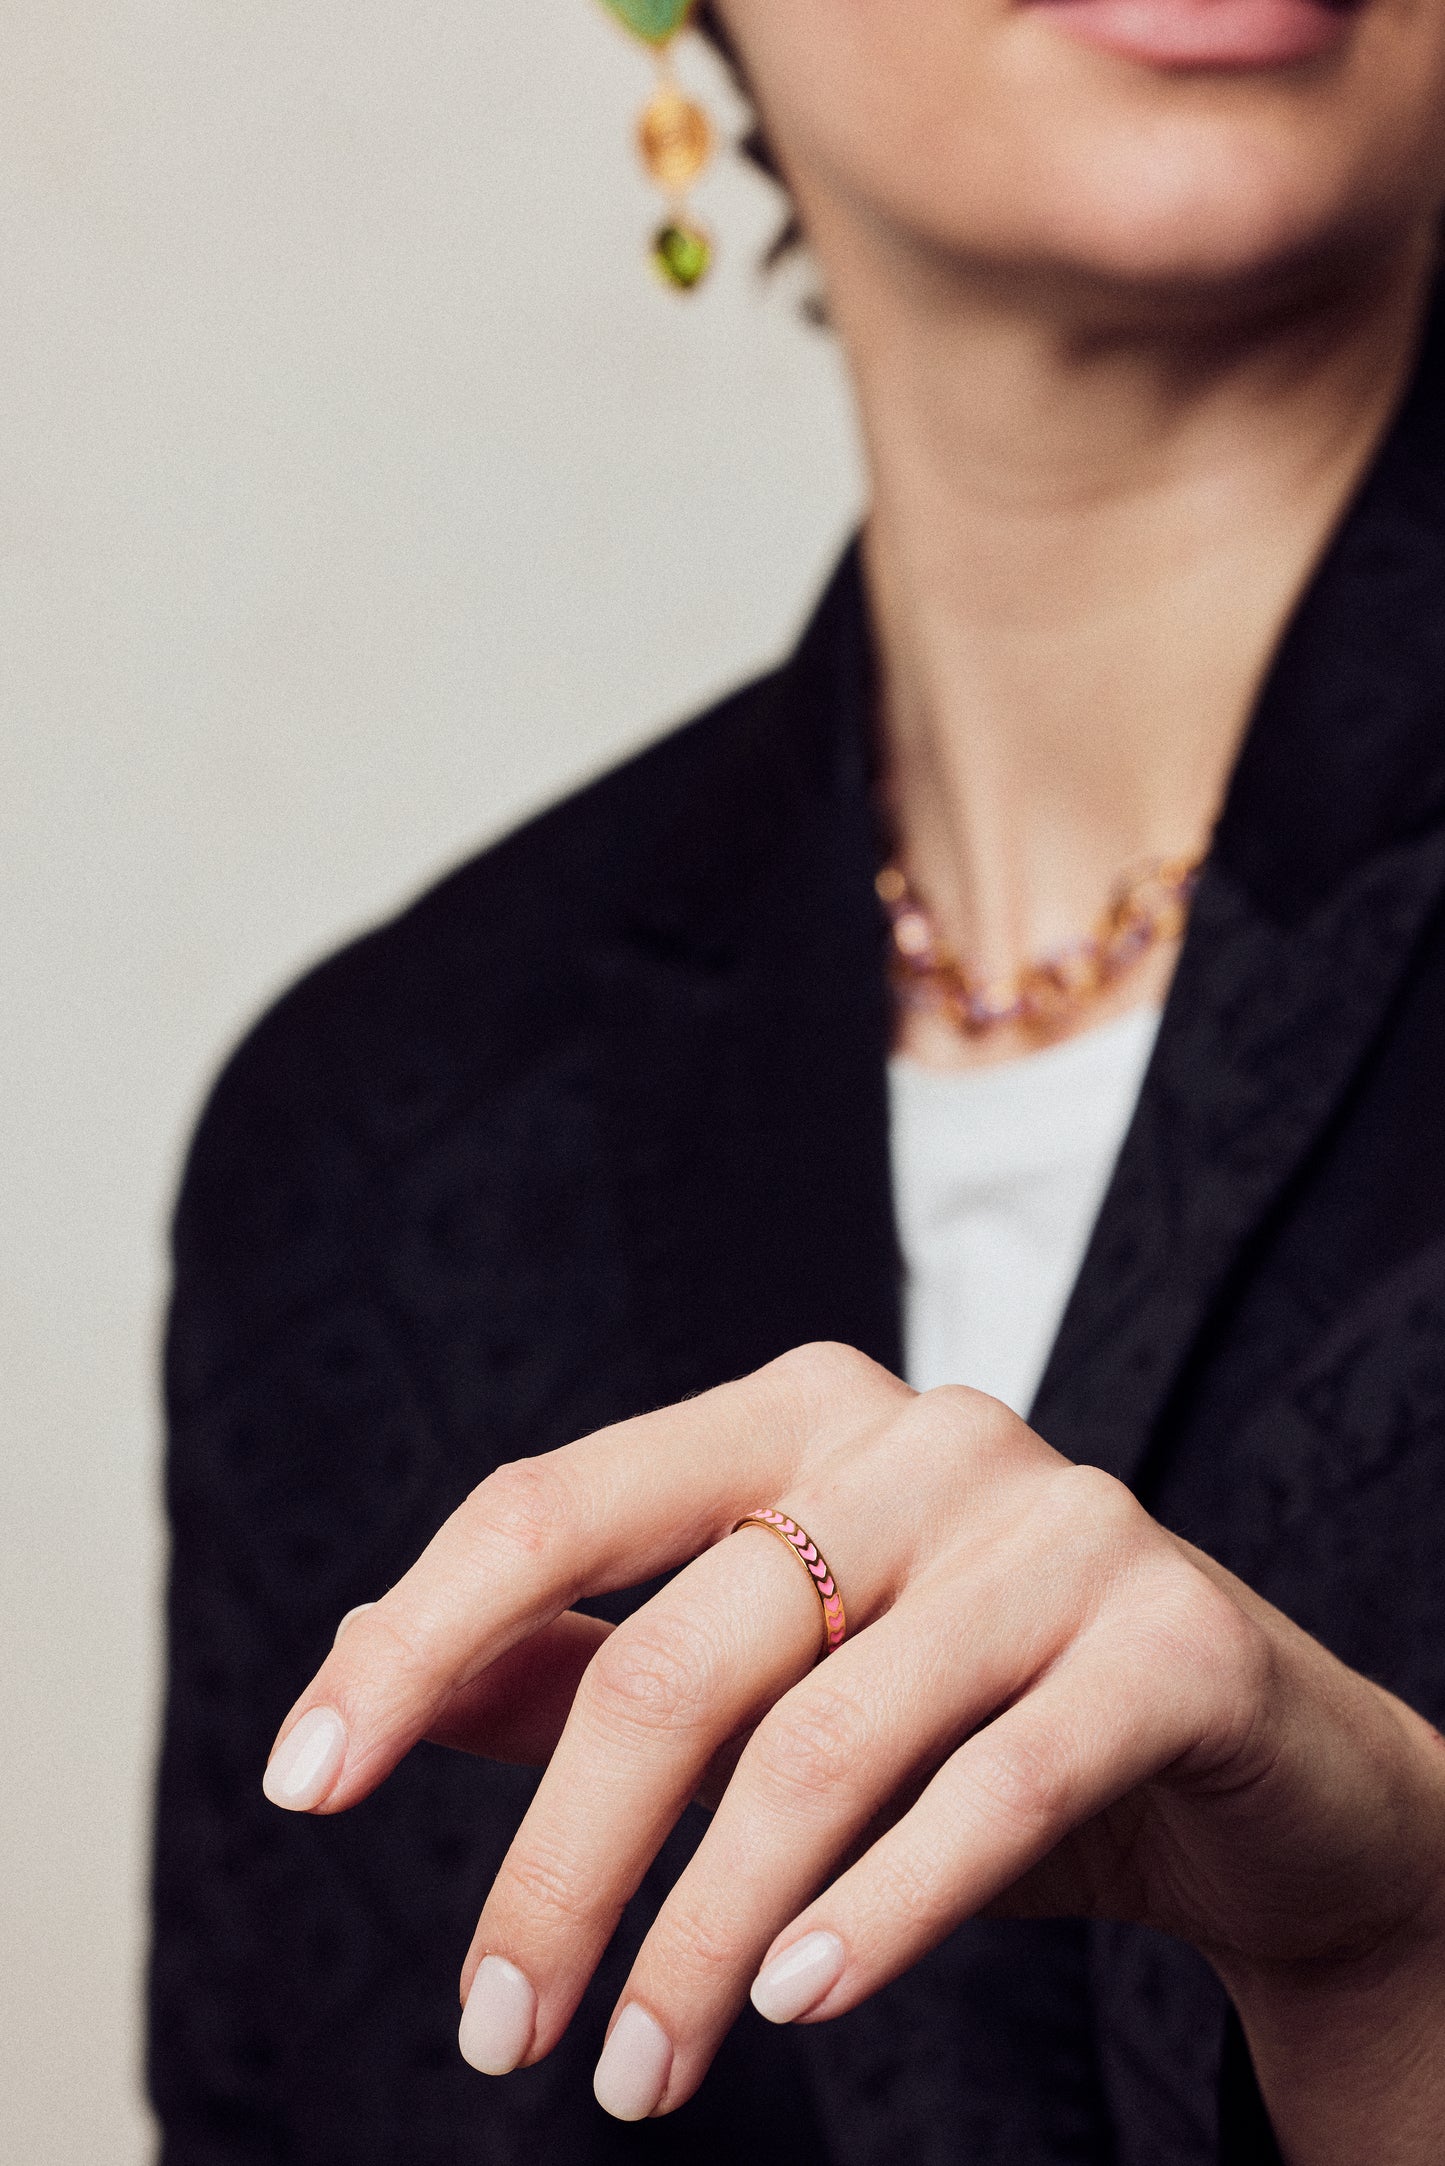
[[835, 1622]]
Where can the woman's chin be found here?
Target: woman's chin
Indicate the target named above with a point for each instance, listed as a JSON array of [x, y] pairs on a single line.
[[1154, 181], [1233, 213], [1218, 257]]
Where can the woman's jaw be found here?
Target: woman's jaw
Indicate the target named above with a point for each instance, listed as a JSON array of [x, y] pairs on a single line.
[[1182, 155]]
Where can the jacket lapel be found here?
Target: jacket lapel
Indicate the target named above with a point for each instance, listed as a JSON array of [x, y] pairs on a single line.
[[743, 1012], [743, 1007], [1328, 861]]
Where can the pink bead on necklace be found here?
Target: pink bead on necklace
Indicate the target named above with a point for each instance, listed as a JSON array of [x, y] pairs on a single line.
[[1148, 908]]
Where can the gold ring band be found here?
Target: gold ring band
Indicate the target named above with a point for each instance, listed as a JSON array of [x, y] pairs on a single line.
[[814, 1563]]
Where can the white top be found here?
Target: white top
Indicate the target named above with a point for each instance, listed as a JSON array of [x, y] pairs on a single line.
[[998, 1175]]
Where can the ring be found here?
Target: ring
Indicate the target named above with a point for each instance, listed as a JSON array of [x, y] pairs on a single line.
[[806, 1550]]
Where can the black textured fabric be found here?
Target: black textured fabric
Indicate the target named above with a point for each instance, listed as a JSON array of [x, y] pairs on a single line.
[[603, 1120], [1247, 2138]]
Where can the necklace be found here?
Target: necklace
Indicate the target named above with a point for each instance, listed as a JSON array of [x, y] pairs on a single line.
[[1149, 906]]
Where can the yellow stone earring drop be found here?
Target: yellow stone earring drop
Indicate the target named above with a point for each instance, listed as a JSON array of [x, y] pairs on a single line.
[[675, 139]]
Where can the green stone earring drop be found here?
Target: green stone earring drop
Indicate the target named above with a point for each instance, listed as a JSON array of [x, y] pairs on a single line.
[[675, 139]]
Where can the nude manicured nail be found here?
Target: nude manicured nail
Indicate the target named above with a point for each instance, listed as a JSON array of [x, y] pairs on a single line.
[[306, 1763], [635, 2065], [797, 1980], [500, 2018]]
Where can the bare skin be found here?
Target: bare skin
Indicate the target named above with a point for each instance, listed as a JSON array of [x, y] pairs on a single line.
[[1080, 562], [1124, 339], [1123, 342], [1100, 1720]]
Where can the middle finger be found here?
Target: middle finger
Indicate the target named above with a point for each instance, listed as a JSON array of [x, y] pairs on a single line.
[[830, 1758]]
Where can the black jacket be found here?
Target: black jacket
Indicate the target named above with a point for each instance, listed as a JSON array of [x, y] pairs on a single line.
[[601, 1121]]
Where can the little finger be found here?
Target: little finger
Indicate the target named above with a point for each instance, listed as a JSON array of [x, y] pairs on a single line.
[[1105, 1719]]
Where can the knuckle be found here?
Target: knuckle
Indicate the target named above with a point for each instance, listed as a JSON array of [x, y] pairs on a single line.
[[394, 1639], [955, 1441], [655, 1673], [1185, 1610], [1091, 1513], [389, 1657], [811, 1749], [1101, 1500], [1213, 1665], [1246, 1690], [1199, 1630], [520, 1508], [537, 1886], [910, 1893], [973, 1410], [1252, 1657], [960, 1419], [696, 1944], [827, 1369], [1023, 1785]]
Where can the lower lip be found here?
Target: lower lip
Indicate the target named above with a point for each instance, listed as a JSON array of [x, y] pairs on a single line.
[[1222, 34]]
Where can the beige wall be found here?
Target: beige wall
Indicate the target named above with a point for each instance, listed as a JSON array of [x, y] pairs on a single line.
[[359, 490]]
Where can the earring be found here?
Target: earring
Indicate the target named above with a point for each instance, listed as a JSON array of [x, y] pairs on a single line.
[[675, 139]]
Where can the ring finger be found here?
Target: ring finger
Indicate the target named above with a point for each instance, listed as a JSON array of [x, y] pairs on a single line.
[[823, 1765], [699, 1663]]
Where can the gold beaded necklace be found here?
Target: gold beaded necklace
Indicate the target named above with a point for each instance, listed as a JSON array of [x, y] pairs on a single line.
[[1149, 907]]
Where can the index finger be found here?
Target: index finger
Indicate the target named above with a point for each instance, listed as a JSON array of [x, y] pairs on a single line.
[[615, 1509]]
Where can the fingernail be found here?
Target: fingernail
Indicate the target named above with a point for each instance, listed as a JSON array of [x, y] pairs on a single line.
[[350, 1617], [307, 1762], [635, 2065], [499, 2020], [797, 1980]]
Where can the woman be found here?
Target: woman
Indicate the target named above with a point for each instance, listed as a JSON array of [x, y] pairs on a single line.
[[1105, 1805]]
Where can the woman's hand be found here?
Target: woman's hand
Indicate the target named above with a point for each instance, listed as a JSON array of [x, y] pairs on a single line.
[[1047, 1704]]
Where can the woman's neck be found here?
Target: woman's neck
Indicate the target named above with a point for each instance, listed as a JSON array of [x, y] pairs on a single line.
[[1082, 550]]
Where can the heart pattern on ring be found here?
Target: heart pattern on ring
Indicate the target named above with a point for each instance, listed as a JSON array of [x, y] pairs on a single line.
[[803, 1546]]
